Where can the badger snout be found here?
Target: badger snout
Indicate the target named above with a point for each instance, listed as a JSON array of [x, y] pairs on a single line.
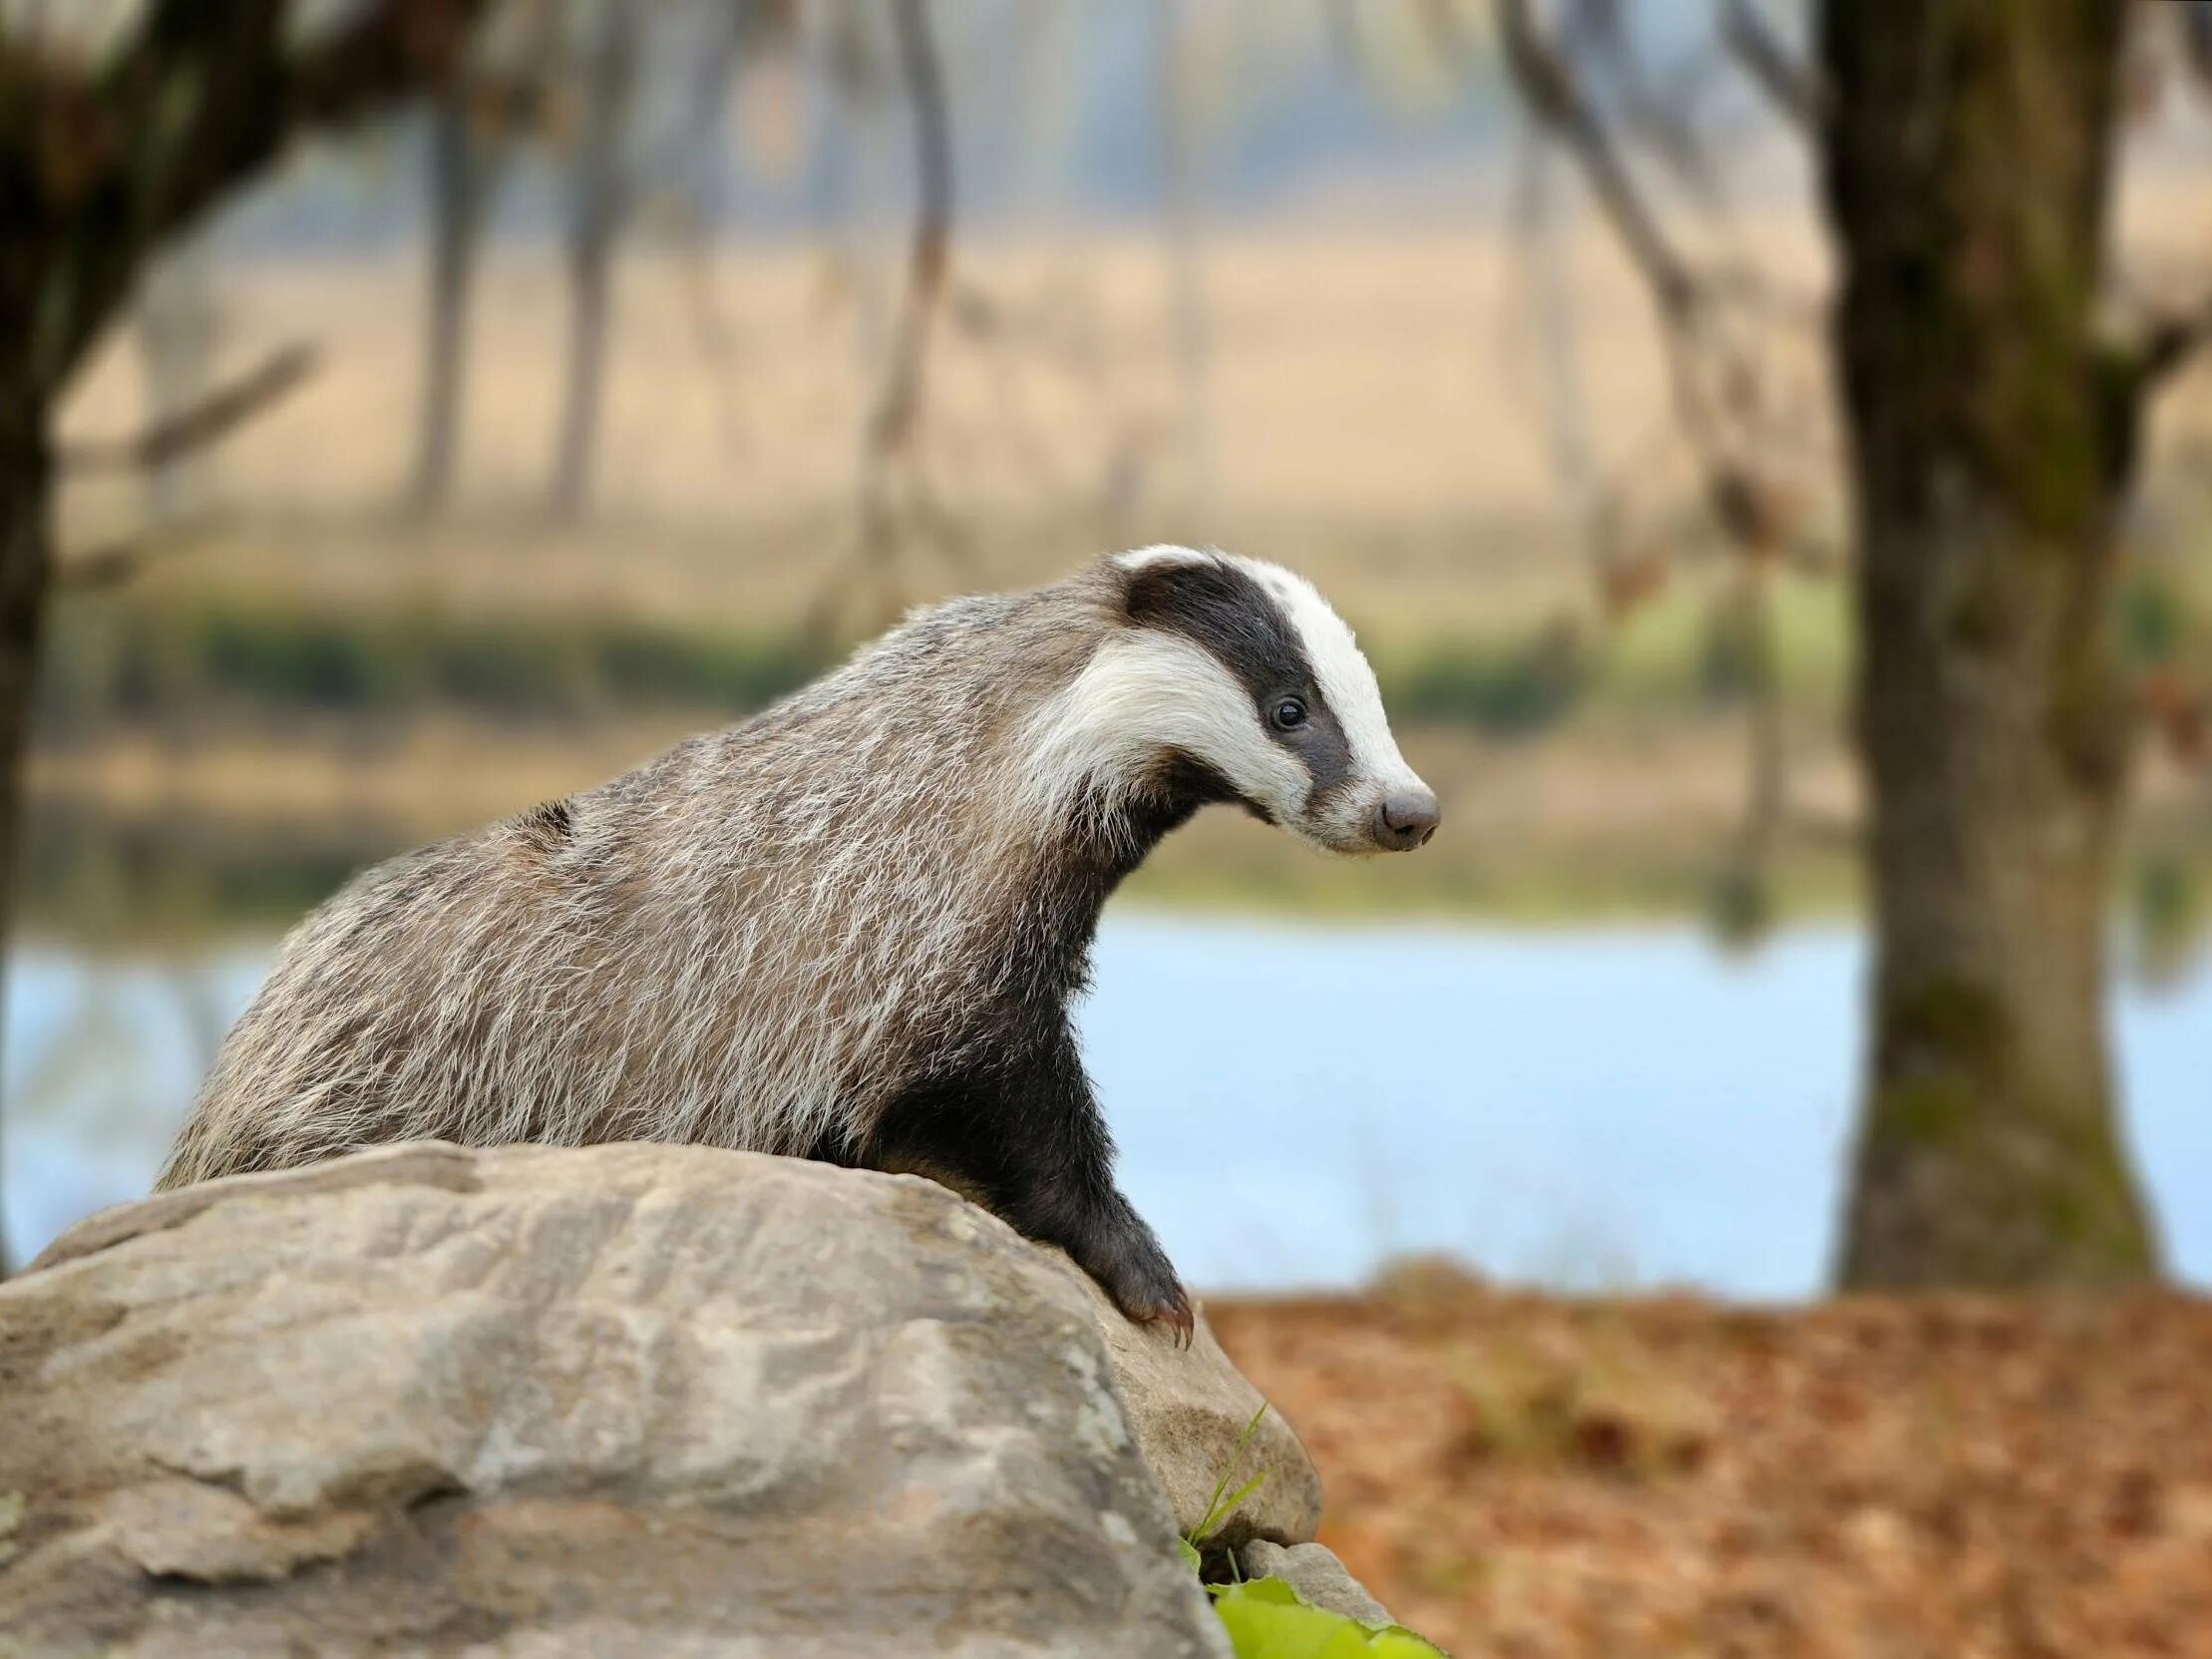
[[1405, 819]]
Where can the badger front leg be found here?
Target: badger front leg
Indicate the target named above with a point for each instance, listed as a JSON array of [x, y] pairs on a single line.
[[1024, 1137], [1059, 1184]]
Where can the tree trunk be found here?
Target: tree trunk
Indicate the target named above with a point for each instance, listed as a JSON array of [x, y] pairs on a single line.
[[601, 192], [26, 524], [1179, 92], [457, 168], [1968, 162]]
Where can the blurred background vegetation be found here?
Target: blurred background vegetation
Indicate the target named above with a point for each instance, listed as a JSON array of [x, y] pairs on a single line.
[[541, 380]]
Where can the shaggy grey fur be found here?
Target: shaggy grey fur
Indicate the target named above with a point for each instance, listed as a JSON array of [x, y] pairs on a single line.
[[844, 929]]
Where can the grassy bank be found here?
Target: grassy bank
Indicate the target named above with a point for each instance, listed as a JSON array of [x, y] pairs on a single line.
[[161, 652], [195, 828], [191, 826], [220, 739]]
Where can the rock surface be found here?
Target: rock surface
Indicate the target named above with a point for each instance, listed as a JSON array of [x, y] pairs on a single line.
[[642, 1400], [1189, 1410], [1318, 1577]]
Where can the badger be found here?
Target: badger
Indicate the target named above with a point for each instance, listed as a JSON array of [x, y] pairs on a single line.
[[846, 929]]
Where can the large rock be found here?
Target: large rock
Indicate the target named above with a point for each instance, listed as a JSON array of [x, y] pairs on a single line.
[[1199, 1423], [627, 1399]]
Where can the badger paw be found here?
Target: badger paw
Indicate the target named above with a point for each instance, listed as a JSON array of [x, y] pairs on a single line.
[[1144, 1287], [1113, 1245], [1175, 1314]]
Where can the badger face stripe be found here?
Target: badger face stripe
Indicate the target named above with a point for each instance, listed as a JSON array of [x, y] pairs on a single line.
[[1259, 619], [1344, 675], [1221, 606]]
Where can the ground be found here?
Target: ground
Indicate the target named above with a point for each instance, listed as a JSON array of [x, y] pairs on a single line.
[[1522, 1477]]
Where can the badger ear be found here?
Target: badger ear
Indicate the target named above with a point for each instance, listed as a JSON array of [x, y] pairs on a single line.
[[1162, 583]]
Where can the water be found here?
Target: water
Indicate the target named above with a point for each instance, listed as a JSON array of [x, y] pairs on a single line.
[[1592, 1108]]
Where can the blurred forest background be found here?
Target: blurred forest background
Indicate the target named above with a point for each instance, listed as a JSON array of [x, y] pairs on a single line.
[[417, 409], [605, 371]]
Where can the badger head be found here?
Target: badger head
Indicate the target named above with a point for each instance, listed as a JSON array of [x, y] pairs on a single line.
[[1239, 673]]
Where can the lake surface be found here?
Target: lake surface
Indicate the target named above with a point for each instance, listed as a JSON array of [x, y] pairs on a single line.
[[1596, 1109]]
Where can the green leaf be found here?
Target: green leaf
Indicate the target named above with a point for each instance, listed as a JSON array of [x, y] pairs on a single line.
[[1265, 1620], [1397, 1642], [1274, 1591]]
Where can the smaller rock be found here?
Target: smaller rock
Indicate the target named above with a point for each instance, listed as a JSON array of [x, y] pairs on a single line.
[[1318, 1577], [1188, 1408]]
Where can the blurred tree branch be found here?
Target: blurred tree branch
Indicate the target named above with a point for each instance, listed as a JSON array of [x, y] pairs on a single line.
[[1720, 387], [111, 564], [1717, 386], [460, 170], [101, 160], [890, 425], [1552, 94], [205, 423], [890, 439], [207, 93], [2168, 345], [2196, 26], [602, 190], [1180, 83], [1791, 85]]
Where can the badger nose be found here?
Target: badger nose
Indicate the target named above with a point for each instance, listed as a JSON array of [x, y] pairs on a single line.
[[1405, 819]]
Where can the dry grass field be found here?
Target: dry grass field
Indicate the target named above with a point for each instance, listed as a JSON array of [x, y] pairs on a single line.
[[1372, 404], [1372, 410], [1370, 375]]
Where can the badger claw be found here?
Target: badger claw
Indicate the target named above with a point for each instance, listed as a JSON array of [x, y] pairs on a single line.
[[1175, 1315], [1142, 1284], [1178, 1319], [1125, 1261]]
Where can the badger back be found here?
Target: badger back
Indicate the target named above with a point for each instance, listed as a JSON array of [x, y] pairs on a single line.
[[753, 941]]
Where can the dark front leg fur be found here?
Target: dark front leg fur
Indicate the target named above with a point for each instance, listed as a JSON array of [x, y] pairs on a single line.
[[1024, 1137]]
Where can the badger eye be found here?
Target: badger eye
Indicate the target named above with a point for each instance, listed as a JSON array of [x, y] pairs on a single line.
[[1288, 714]]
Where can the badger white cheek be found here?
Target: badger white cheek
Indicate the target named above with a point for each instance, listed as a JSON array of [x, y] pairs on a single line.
[[1199, 710], [1262, 772], [1146, 692], [1282, 798]]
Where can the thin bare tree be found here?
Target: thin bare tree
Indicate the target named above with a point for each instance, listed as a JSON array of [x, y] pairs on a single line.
[[897, 506], [601, 192], [458, 167], [1178, 92], [108, 152]]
